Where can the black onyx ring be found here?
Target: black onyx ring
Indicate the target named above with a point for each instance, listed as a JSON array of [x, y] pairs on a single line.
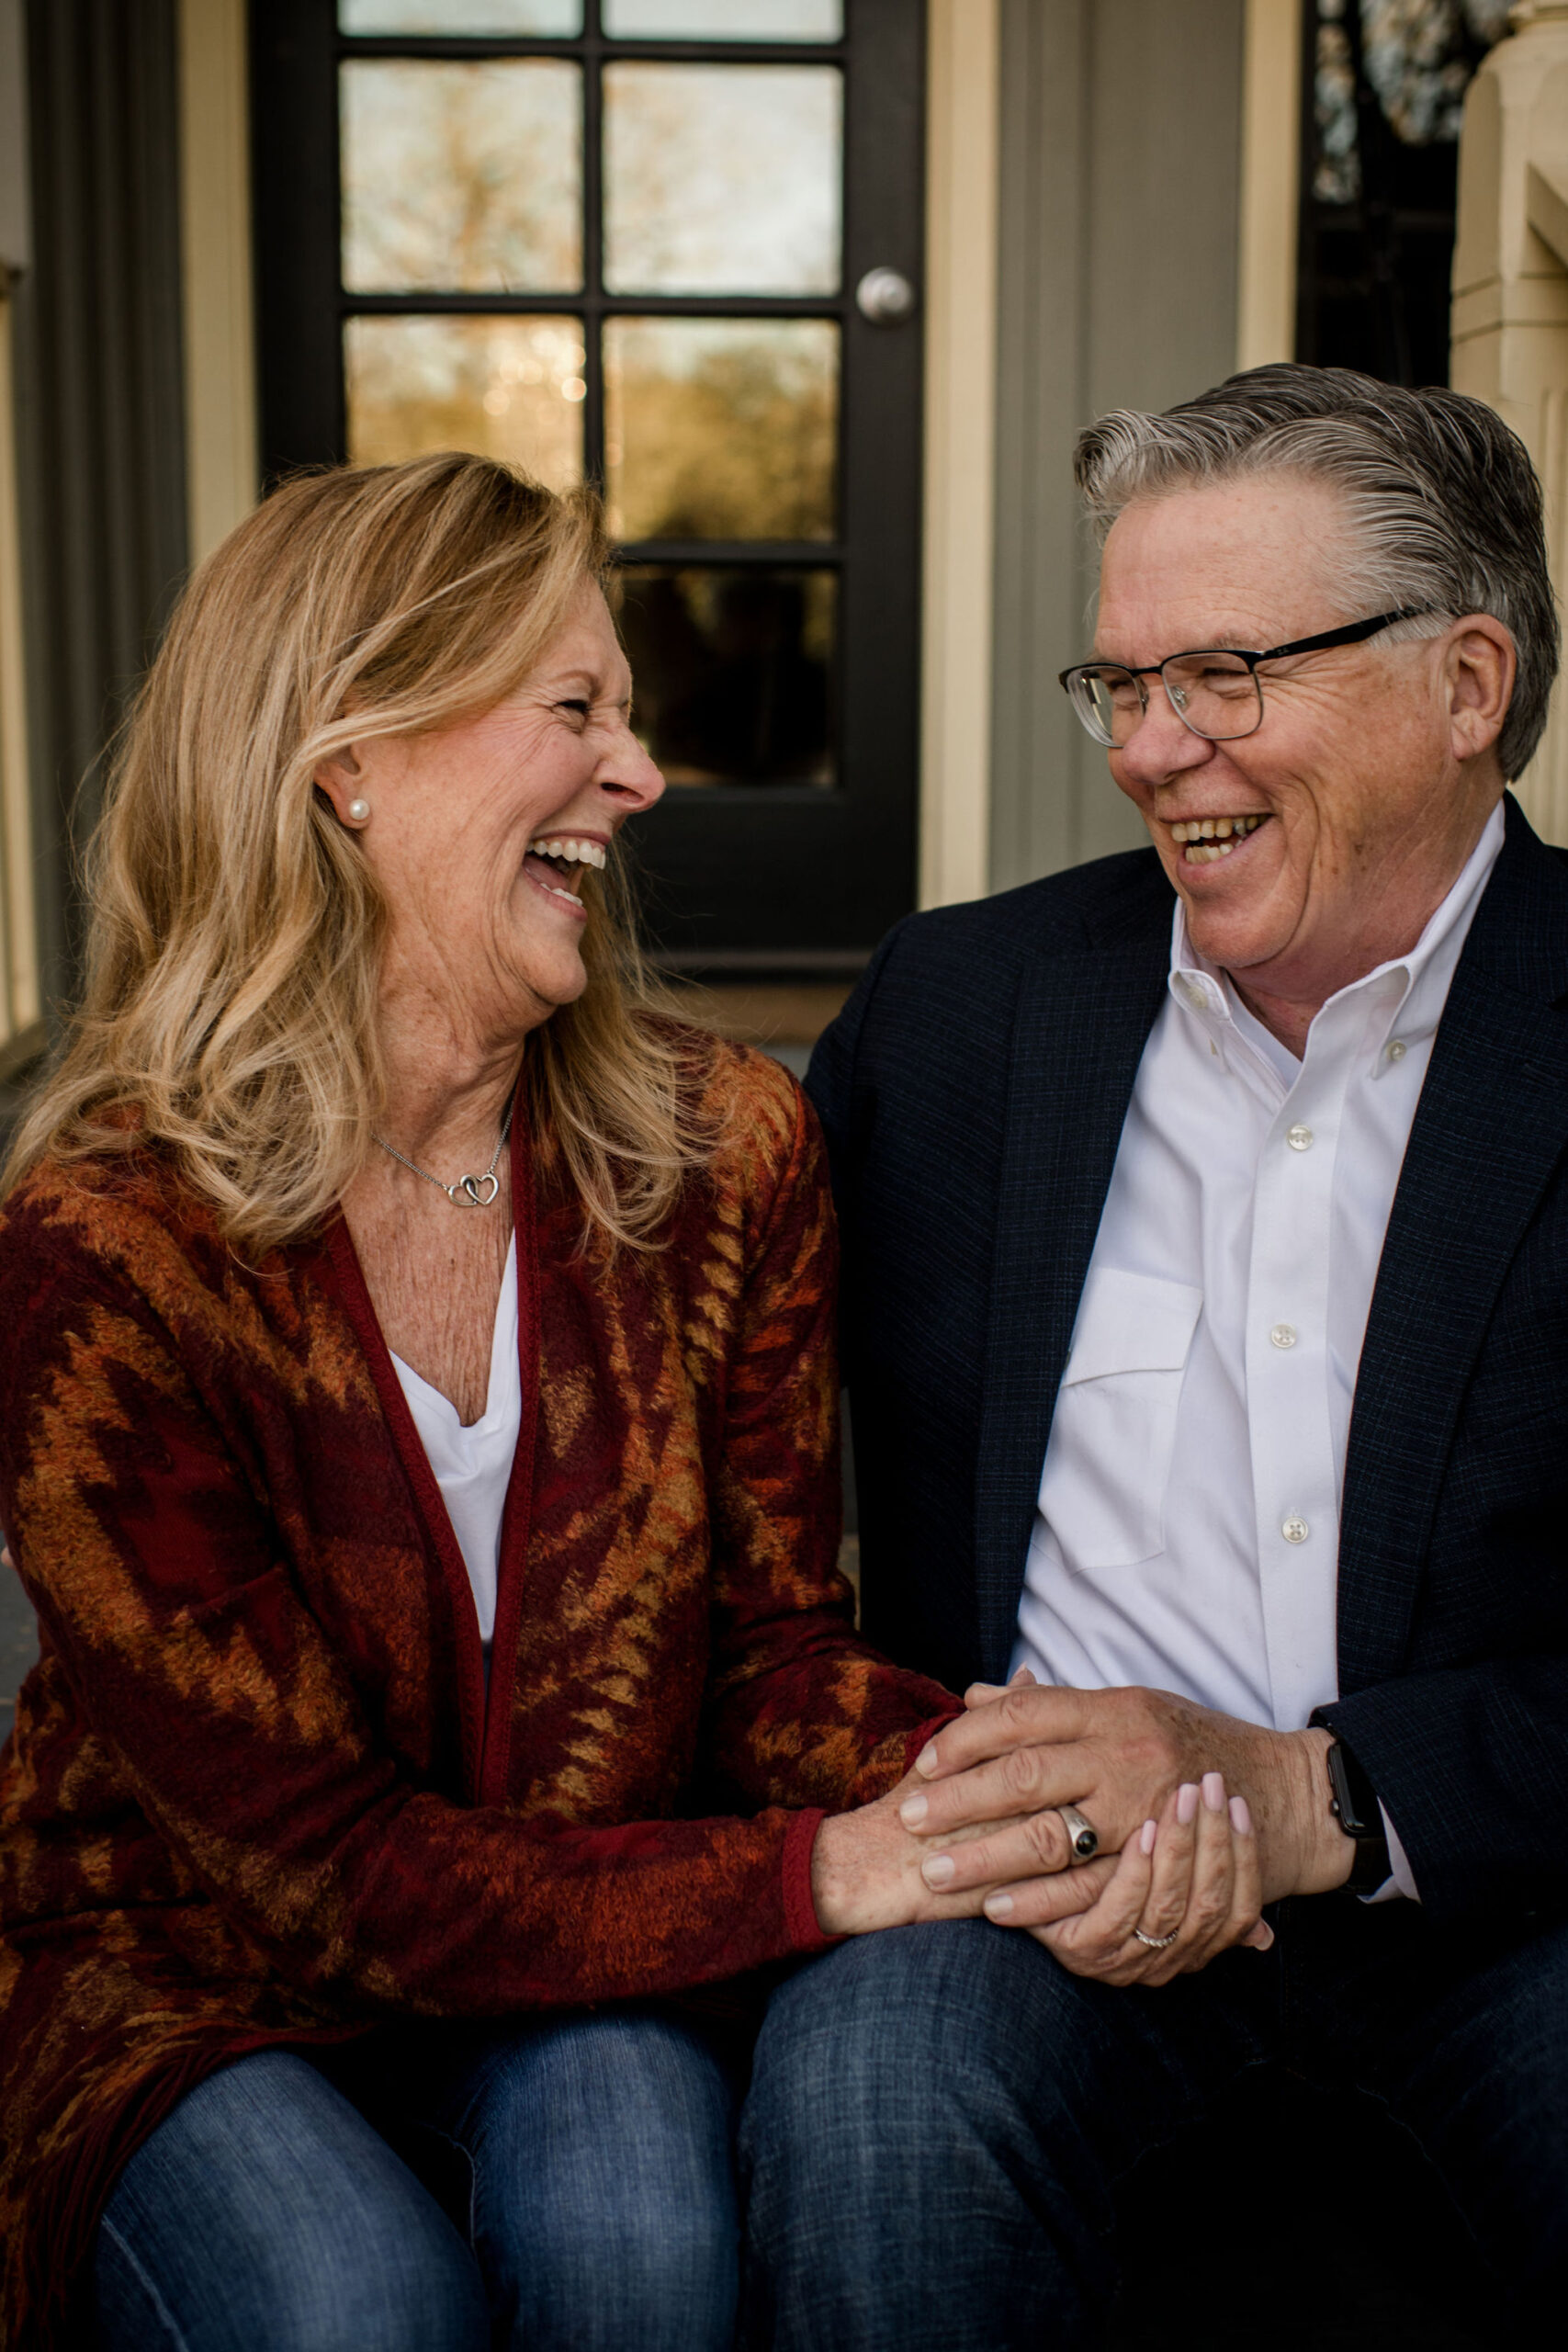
[[1083, 1838]]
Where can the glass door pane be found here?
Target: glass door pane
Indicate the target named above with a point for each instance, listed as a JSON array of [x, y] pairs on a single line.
[[722, 180], [721, 428], [734, 671], [544, 18], [509, 387], [462, 178], [724, 19]]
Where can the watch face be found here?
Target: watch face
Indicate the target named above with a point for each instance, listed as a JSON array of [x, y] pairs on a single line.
[[1354, 1800]]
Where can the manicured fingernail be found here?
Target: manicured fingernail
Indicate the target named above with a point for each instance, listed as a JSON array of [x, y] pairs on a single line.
[[913, 1810], [1241, 1820], [1261, 1937], [1021, 1674], [1214, 1792], [927, 1760], [1187, 1803], [939, 1869], [998, 1906], [1147, 1837]]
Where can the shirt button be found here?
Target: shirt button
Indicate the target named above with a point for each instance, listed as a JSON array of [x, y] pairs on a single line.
[[1283, 1335], [1299, 1138], [1397, 1049], [1294, 1530]]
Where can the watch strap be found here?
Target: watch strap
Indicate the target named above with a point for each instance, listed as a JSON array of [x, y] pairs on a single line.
[[1354, 1804]]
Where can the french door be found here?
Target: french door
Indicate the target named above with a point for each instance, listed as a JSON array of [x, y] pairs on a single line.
[[674, 246]]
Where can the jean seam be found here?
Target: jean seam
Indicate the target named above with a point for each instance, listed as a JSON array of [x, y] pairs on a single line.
[[176, 2336], [450, 2139]]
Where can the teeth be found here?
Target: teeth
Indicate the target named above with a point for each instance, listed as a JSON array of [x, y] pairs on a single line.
[[1214, 829], [570, 850]]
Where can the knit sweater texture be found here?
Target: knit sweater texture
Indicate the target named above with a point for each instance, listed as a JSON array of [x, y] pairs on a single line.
[[258, 1792]]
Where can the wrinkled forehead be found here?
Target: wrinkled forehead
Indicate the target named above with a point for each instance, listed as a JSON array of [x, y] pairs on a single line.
[[1247, 563]]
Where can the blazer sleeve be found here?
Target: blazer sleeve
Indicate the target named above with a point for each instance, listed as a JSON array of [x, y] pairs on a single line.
[[1472, 1762], [212, 1695], [802, 1712]]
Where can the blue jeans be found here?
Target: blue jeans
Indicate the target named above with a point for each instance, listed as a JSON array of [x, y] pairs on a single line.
[[941, 2118], [437, 2189]]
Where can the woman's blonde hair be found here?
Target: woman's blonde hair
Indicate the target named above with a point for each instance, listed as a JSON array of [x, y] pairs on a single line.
[[235, 930]]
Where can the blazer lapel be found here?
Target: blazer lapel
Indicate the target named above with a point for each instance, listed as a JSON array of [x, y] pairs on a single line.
[[1491, 1126], [1079, 1028]]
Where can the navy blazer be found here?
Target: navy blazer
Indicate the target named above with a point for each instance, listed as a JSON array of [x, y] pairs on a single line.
[[973, 1092]]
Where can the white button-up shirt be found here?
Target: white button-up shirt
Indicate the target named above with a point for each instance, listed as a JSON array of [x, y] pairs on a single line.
[[1187, 1530]]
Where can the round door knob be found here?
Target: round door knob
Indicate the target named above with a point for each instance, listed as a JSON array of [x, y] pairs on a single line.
[[885, 297]]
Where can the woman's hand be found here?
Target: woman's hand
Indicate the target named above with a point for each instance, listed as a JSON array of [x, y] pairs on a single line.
[[1193, 1876], [868, 1872]]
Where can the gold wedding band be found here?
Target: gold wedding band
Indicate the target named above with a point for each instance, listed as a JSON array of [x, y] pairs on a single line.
[[1083, 1838]]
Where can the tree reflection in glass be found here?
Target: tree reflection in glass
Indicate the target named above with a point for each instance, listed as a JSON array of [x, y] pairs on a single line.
[[722, 179], [462, 178], [721, 428], [510, 388]]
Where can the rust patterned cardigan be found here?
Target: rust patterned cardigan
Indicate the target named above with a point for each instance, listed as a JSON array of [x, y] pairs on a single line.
[[256, 1793]]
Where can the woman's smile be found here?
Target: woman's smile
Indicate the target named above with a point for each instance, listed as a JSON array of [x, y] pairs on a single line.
[[555, 862]]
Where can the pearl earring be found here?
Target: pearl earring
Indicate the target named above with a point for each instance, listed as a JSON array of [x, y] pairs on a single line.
[[359, 811]]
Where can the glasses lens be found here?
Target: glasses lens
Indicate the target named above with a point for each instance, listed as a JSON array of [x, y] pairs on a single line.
[[1216, 694], [1108, 702]]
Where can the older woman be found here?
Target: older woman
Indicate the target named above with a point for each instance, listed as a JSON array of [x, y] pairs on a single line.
[[417, 1435]]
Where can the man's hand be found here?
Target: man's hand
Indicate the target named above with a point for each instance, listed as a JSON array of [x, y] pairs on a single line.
[[1119, 1756]]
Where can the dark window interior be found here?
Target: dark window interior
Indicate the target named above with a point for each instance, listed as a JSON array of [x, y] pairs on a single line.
[[1383, 84]]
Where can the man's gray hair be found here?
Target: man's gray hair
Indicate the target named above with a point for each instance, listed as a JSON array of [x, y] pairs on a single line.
[[1444, 504]]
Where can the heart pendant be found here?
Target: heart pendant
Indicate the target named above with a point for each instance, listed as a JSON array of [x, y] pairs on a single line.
[[473, 1191]]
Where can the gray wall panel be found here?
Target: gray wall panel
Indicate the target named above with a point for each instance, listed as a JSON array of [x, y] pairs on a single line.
[[1120, 138], [100, 433]]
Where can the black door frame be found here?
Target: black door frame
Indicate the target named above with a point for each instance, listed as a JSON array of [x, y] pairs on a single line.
[[742, 878]]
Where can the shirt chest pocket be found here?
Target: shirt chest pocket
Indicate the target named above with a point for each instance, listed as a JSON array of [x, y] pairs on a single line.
[[1114, 1434]]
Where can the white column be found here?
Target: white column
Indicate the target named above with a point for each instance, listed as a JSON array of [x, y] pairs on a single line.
[[1510, 299], [960, 453], [1271, 166], [215, 260]]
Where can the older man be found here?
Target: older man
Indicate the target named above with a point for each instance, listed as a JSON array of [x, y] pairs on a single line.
[[1207, 1327]]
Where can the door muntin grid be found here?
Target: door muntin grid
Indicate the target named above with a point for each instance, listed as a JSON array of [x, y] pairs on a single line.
[[628, 266]]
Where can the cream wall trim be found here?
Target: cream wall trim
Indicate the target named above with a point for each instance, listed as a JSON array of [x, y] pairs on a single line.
[[1271, 159], [960, 453], [1510, 302], [215, 244], [20, 1006]]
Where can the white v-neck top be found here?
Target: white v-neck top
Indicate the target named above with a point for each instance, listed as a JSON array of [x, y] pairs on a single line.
[[473, 1466]]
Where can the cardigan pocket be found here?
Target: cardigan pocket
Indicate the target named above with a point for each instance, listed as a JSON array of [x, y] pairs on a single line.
[[1113, 1433]]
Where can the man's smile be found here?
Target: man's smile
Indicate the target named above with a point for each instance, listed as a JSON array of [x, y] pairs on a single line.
[[1205, 840]]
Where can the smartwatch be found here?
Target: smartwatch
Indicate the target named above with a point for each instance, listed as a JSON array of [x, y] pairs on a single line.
[[1353, 1804]]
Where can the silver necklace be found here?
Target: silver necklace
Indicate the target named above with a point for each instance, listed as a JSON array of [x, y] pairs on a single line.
[[468, 1192]]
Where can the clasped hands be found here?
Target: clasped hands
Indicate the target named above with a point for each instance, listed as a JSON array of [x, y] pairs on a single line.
[[1201, 1820]]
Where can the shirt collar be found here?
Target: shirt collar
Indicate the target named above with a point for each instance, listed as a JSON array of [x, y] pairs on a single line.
[[1404, 996]]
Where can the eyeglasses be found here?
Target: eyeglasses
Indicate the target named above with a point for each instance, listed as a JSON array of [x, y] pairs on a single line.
[[1216, 692]]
